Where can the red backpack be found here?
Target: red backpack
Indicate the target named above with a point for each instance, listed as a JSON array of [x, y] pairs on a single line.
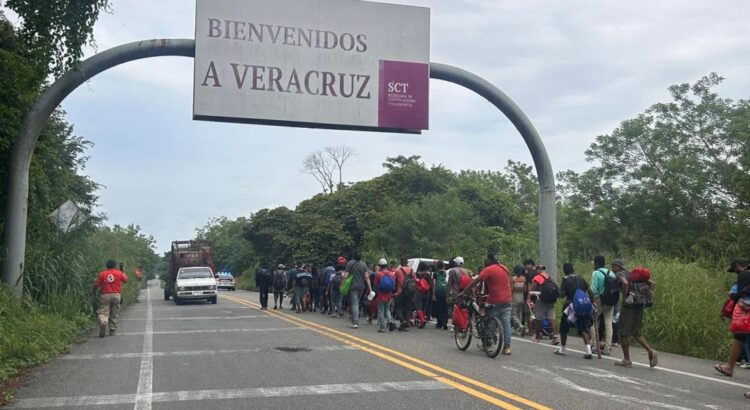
[[464, 279], [423, 286], [460, 317], [640, 274]]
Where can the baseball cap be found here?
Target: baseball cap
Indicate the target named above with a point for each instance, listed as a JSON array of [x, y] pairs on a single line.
[[382, 262], [341, 260], [459, 260]]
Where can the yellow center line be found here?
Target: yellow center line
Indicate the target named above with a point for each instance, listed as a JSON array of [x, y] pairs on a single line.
[[361, 343]]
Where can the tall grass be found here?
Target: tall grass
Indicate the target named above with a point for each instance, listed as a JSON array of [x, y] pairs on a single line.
[[58, 305]]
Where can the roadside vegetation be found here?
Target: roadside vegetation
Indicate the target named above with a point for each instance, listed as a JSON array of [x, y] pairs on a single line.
[[58, 304]]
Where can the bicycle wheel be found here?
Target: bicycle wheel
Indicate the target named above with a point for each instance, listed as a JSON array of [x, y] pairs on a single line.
[[463, 339], [492, 341]]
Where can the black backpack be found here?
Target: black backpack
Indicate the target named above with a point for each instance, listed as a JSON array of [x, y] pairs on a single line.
[[304, 281], [550, 292], [410, 284], [640, 294], [611, 294], [278, 279]]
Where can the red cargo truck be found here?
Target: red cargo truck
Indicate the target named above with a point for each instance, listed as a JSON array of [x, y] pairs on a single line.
[[186, 254]]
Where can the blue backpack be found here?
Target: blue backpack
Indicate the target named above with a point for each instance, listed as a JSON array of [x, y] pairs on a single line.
[[387, 284], [582, 302]]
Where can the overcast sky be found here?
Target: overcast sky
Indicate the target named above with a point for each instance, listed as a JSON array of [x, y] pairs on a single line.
[[577, 68]]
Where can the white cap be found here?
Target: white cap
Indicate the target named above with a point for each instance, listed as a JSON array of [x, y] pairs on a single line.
[[459, 260], [382, 262]]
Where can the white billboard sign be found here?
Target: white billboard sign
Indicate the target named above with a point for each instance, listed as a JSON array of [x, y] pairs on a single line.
[[342, 64]]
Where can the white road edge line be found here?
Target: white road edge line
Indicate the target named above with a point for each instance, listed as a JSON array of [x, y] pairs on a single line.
[[146, 375], [182, 332], [195, 353], [198, 395], [664, 369]]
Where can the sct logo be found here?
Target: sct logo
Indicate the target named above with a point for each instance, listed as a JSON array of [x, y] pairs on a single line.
[[394, 87]]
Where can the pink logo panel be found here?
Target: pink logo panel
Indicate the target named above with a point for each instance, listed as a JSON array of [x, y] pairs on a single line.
[[403, 95]]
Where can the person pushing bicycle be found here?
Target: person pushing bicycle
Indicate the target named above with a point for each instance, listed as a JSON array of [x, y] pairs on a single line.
[[496, 277]]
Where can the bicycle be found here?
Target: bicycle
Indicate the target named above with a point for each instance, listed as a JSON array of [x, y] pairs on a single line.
[[488, 329]]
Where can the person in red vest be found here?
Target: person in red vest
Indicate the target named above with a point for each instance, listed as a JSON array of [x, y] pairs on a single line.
[[109, 282]]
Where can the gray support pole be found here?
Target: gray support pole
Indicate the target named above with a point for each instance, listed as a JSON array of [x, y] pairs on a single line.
[[547, 210], [18, 186]]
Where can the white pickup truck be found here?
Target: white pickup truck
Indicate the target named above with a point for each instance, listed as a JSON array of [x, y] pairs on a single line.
[[195, 283]]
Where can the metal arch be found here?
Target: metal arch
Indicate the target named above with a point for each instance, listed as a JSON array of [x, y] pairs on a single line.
[[23, 149], [545, 175]]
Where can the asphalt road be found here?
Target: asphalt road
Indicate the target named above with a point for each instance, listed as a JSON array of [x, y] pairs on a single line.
[[234, 356]]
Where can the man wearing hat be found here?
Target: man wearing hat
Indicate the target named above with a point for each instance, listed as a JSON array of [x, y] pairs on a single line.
[[738, 266], [631, 319]]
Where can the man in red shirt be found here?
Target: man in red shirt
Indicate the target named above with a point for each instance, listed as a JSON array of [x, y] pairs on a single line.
[[497, 279], [109, 282]]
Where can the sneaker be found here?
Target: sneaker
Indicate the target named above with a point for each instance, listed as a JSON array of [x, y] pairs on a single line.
[[606, 351], [354, 326], [588, 356], [281, 307], [624, 363], [615, 344], [391, 326], [555, 341], [274, 307], [653, 359], [745, 366], [381, 330], [535, 339], [102, 330], [506, 351], [112, 332]]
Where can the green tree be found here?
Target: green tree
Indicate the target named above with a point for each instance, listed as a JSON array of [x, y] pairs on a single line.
[[231, 251], [55, 31], [673, 179]]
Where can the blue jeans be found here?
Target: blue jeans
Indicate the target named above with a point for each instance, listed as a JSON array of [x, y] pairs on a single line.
[[502, 312], [354, 295], [384, 314]]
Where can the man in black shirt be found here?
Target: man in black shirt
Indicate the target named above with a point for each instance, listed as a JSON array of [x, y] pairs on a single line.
[[570, 284]]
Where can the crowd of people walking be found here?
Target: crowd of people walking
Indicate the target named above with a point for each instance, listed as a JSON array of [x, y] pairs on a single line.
[[402, 296]]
